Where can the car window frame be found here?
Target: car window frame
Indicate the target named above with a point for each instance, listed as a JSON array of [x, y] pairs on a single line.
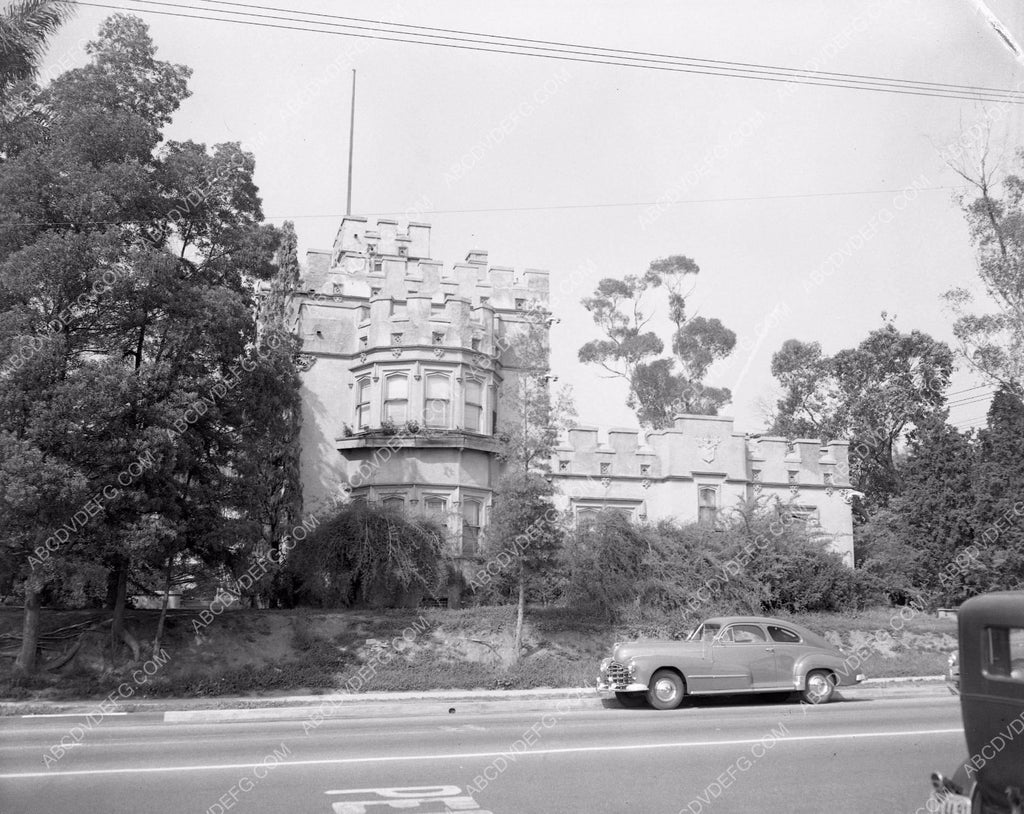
[[732, 637], [773, 640]]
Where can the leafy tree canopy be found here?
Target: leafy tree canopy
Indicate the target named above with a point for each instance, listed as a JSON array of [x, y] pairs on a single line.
[[659, 386], [872, 394]]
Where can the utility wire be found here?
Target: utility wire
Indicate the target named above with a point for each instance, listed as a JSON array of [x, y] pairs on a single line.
[[630, 52], [968, 390], [507, 209], [579, 56]]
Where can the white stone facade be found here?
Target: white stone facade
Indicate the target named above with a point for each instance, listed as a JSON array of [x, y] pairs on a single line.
[[410, 372]]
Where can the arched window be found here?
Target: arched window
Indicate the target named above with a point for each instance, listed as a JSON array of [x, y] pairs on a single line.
[[396, 398], [471, 513], [474, 407], [438, 401], [435, 507], [363, 403], [707, 505], [394, 502]]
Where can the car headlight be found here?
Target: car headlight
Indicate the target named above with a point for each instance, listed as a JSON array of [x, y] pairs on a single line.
[[631, 667]]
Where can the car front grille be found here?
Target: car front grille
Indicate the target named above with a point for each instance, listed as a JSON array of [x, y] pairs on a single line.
[[617, 675]]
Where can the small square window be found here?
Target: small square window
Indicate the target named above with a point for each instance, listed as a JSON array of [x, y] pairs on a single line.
[[364, 342], [793, 477], [436, 309], [403, 251], [374, 292], [475, 343], [364, 312], [378, 264], [338, 288], [563, 466], [437, 338], [645, 469], [520, 304], [319, 334], [485, 300], [396, 339], [606, 468]]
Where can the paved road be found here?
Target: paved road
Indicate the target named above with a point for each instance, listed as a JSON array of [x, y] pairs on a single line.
[[865, 755]]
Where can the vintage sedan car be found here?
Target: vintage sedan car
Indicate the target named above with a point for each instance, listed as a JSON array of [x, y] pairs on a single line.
[[991, 688], [728, 655]]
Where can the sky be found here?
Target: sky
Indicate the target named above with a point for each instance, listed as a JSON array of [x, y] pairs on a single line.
[[810, 210]]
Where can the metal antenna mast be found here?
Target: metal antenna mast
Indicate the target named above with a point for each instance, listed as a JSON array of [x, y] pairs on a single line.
[[351, 138]]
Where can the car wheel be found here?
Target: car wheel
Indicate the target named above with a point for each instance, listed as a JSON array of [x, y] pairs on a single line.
[[819, 687], [666, 690], [631, 699]]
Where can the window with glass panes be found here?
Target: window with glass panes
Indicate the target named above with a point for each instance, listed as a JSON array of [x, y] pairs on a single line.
[[434, 507], [396, 398], [471, 511], [438, 400], [474, 395], [707, 505], [363, 404]]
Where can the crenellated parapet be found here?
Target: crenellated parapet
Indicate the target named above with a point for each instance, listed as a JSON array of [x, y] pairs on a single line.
[[700, 446], [380, 289]]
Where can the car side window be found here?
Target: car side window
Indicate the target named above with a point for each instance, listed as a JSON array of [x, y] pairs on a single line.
[[746, 634], [783, 635], [1004, 655]]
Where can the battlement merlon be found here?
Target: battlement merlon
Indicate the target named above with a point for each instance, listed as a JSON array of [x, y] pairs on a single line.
[[662, 452], [400, 263]]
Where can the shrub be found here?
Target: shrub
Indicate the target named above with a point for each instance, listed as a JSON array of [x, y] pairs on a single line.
[[368, 553], [758, 559]]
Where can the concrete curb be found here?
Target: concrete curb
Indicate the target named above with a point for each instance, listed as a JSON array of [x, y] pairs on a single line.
[[388, 704]]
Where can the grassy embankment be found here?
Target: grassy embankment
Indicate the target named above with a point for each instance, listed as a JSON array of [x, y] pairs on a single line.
[[276, 652]]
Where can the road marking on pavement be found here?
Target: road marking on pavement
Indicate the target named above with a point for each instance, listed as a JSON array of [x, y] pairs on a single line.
[[567, 750], [67, 714]]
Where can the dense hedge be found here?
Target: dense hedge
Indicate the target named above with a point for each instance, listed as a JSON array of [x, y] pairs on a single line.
[[758, 559]]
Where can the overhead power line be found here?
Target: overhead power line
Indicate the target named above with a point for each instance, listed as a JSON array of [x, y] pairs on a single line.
[[631, 52], [968, 402], [968, 390], [546, 49], [340, 215]]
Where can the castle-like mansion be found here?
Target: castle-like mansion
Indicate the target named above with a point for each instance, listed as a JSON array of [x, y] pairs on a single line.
[[411, 370]]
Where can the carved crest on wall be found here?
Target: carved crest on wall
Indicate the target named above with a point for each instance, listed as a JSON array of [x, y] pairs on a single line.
[[708, 447], [304, 361]]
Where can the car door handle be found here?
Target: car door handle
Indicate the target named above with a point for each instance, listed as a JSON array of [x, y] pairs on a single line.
[[769, 650]]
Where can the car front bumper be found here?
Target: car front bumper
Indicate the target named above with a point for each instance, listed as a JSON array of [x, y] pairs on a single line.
[[948, 803], [603, 685]]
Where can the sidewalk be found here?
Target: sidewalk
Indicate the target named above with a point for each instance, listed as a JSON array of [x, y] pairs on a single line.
[[389, 704]]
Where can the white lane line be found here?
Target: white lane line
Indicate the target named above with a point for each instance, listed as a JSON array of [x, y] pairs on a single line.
[[69, 714], [473, 755]]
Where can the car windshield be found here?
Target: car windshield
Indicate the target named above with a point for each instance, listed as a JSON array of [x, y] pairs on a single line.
[[705, 633]]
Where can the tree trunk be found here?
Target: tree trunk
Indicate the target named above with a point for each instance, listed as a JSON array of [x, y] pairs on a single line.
[[163, 605], [120, 601], [520, 609], [25, 664]]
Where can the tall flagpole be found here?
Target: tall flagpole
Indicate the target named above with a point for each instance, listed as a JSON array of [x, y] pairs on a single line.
[[351, 138]]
